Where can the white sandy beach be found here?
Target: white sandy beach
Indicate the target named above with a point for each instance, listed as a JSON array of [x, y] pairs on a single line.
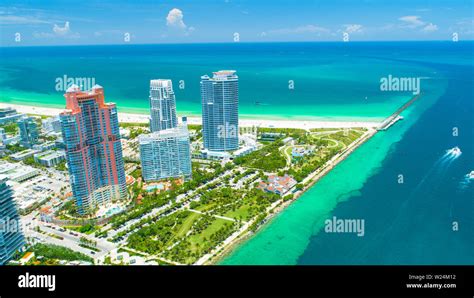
[[142, 118]]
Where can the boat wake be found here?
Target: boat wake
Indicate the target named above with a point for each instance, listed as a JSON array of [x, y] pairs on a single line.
[[454, 152], [439, 168], [466, 181]]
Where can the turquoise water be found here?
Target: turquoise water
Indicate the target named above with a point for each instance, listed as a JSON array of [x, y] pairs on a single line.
[[286, 237], [409, 223], [153, 187], [113, 211], [331, 80]]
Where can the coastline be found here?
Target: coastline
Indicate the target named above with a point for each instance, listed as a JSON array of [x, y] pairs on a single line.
[[313, 178], [245, 122], [310, 181]]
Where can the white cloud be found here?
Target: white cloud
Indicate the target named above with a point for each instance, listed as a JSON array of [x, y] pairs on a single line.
[[415, 22], [353, 28], [62, 30], [412, 21], [58, 31], [19, 20], [430, 27], [175, 20]]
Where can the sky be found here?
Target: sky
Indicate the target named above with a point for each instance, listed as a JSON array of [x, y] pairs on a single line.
[[72, 22]]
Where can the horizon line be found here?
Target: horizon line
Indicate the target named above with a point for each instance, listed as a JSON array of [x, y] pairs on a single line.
[[233, 42]]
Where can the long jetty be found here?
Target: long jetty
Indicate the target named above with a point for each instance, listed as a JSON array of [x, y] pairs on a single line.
[[390, 120]]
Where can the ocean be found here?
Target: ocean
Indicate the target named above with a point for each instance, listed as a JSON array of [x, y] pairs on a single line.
[[427, 219], [405, 223], [276, 80]]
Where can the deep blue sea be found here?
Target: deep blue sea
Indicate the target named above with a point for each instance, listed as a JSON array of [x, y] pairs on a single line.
[[414, 223]]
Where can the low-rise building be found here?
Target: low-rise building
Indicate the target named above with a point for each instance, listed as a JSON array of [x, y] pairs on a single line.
[[244, 150], [287, 140], [214, 155], [300, 152], [50, 158], [45, 146], [17, 172], [271, 136], [8, 115], [277, 184], [11, 140], [60, 143], [124, 133], [27, 257], [125, 258], [51, 125], [23, 154]]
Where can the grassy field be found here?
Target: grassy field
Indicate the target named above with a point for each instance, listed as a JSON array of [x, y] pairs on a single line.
[[182, 237]]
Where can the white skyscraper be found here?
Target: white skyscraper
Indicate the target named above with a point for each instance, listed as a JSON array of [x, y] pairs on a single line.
[[166, 154], [162, 105]]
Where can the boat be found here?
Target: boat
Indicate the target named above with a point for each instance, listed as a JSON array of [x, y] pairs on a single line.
[[471, 175], [456, 150]]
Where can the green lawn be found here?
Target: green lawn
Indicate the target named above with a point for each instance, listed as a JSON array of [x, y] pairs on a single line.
[[181, 230], [243, 212], [190, 249], [201, 238]]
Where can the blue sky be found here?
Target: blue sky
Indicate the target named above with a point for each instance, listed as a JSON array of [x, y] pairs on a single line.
[[53, 22]]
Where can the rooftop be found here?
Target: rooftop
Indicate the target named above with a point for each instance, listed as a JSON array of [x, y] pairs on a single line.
[[50, 154], [179, 131]]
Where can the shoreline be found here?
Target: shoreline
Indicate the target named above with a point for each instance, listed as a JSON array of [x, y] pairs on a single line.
[[194, 120], [312, 179], [309, 182]]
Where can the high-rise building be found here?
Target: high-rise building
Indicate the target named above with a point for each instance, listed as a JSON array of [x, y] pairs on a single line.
[[220, 111], [11, 236], [166, 154], [162, 105], [28, 132], [91, 135]]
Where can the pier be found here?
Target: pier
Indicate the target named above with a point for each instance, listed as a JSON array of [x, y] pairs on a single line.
[[392, 119]]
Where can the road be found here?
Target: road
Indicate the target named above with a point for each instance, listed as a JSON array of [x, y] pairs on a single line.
[[69, 241], [183, 198]]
